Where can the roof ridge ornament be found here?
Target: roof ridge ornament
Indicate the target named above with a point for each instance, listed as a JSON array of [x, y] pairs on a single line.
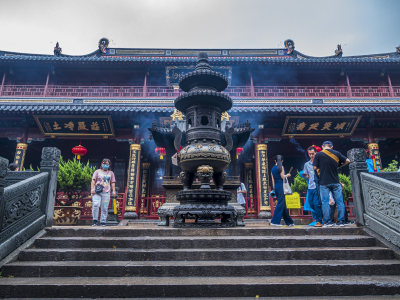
[[103, 45], [57, 49], [339, 51], [289, 45]]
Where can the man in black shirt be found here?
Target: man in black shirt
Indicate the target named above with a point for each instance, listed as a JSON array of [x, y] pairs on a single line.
[[326, 164]]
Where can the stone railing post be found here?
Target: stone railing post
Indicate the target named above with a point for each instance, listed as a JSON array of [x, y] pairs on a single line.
[[3, 173], [49, 163], [358, 164]]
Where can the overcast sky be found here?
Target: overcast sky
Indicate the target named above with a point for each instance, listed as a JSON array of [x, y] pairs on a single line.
[[316, 26]]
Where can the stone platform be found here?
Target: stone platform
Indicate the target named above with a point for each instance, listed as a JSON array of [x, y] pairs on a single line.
[[144, 260]]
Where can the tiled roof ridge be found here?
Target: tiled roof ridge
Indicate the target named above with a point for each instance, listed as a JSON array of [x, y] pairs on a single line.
[[189, 56]]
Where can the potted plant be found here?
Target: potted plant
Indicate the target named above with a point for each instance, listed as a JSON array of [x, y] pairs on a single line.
[[347, 190], [299, 185], [73, 180]]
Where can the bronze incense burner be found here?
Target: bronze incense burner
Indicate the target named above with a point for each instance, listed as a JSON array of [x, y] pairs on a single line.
[[203, 157]]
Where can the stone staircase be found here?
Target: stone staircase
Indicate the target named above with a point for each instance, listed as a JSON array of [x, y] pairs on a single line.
[[122, 262]]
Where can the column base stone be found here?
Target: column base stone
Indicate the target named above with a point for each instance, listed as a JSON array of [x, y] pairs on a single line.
[[265, 214], [130, 215]]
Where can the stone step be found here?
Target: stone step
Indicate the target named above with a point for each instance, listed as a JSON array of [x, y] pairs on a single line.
[[375, 297], [117, 231], [104, 254], [202, 268], [177, 242], [135, 287]]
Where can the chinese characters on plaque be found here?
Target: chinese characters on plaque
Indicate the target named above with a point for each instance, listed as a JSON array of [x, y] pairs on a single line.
[[75, 125], [262, 176], [133, 178], [320, 126]]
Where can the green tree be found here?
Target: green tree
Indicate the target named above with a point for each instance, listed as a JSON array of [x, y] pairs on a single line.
[[74, 178], [392, 167]]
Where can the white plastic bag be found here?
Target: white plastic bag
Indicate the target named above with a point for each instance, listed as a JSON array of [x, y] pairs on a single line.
[[286, 187]]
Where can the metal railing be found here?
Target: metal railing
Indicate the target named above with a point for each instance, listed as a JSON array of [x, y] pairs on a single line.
[[148, 206], [170, 92], [251, 207], [85, 201]]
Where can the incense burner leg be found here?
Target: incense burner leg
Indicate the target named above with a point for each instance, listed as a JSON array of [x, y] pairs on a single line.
[[219, 179], [187, 179]]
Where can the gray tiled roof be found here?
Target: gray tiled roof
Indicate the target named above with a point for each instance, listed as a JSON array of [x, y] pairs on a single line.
[[213, 60], [145, 56], [128, 108]]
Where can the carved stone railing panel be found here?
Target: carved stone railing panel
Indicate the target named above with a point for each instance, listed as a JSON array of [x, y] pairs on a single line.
[[24, 205], [17, 176], [27, 197], [23, 202], [382, 206]]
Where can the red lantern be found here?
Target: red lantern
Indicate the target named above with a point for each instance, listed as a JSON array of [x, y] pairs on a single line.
[[161, 151], [239, 150], [79, 151]]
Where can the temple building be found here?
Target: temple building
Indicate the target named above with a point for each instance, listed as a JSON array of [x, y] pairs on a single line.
[[283, 102]]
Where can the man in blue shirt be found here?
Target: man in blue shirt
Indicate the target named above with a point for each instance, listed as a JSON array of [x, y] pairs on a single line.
[[312, 191]]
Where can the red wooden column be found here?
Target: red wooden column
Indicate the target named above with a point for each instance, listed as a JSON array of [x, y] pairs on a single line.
[[2, 83], [145, 85], [47, 84], [390, 85], [349, 92], [251, 85]]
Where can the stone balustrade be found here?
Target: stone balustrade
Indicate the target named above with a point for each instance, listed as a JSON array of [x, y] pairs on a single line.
[[376, 198], [27, 204]]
